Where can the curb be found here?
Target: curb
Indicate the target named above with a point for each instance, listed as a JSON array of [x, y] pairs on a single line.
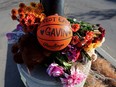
[[107, 56]]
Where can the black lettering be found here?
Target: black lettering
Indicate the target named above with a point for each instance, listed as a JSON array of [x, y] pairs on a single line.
[[49, 19], [60, 20], [55, 46], [62, 34], [53, 32], [58, 32], [42, 32], [47, 31], [54, 19]]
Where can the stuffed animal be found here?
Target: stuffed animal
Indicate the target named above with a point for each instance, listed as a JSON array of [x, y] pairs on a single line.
[[28, 51]]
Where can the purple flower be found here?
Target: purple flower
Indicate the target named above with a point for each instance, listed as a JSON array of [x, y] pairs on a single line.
[[76, 77], [55, 70], [74, 55], [19, 27]]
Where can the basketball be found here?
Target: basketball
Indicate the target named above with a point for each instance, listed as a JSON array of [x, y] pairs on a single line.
[[54, 33]]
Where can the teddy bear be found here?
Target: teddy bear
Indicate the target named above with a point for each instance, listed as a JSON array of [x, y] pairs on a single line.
[[28, 51]]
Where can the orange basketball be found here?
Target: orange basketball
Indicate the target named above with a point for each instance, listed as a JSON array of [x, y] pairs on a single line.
[[54, 33]]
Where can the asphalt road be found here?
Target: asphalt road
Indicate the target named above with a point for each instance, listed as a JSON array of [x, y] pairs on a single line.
[[94, 11]]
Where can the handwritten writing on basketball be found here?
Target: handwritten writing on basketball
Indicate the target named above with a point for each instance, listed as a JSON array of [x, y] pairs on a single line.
[[54, 46], [54, 19], [52, 31]]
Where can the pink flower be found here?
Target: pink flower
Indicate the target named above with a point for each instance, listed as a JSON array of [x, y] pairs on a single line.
[[68, 81], [55, 70], [76, 77]]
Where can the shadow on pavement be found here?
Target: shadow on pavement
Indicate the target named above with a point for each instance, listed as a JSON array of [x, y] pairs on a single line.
[[12, 77], [99, 14], [111, 1]]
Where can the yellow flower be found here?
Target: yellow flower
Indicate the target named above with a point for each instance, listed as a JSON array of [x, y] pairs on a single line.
[[89, 47], [92, 46], [37, 12], [97, 44], [42, 16]]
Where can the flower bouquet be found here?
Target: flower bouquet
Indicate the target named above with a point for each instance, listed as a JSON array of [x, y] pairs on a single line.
[[62, 64]]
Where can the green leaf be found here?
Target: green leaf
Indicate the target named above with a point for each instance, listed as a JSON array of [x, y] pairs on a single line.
[[67, 64], [86, 55], [72, 21]]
